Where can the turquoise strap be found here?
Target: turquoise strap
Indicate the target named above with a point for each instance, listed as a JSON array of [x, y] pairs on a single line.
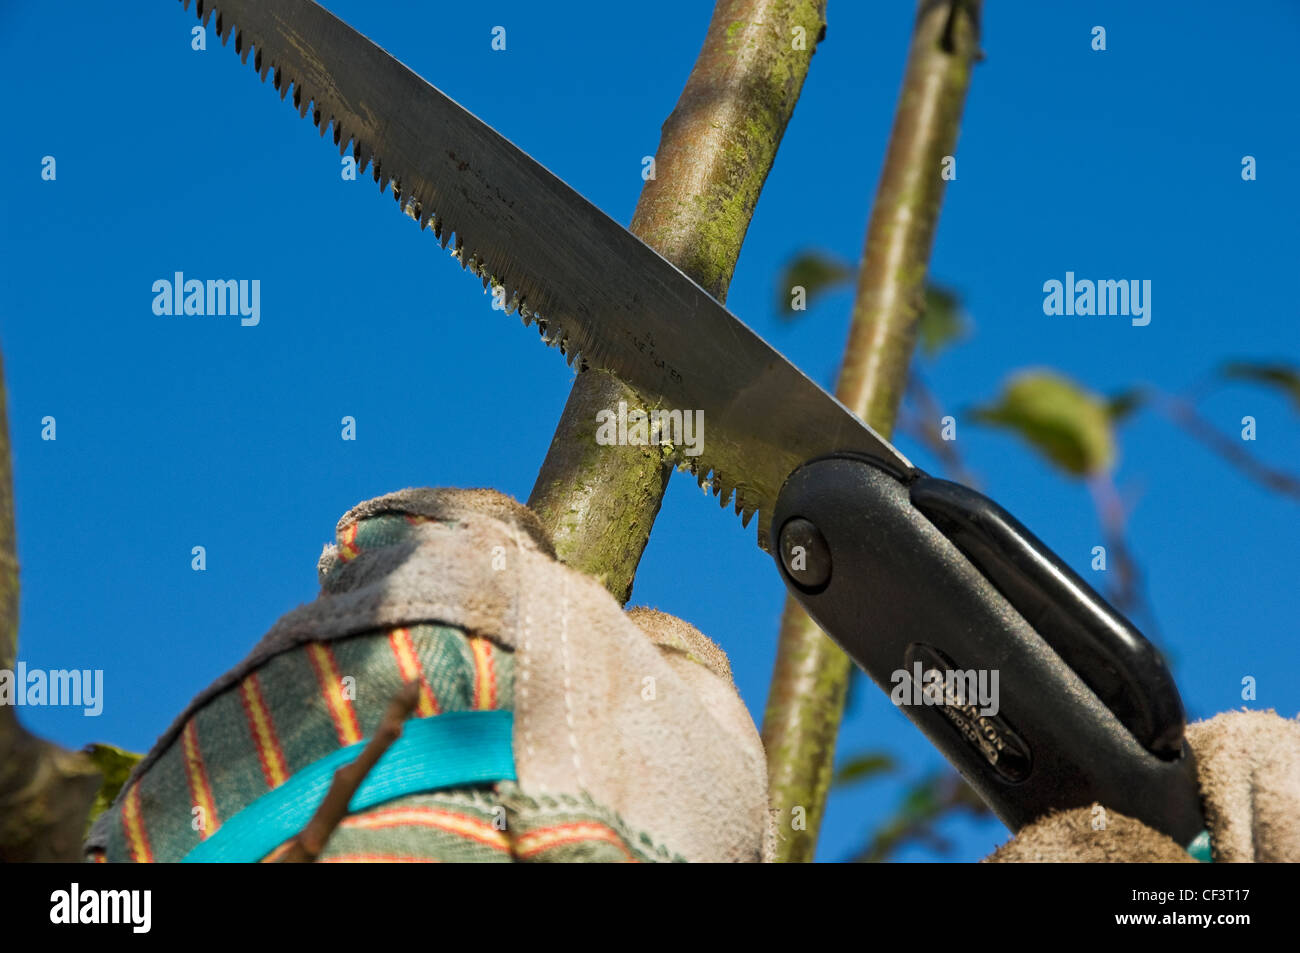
[[455, 748], [1199, 848]]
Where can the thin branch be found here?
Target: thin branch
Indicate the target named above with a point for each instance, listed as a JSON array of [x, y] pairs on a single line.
[[1183, 413], [924, 806], [1113, 518], [309, 843], [924, 425], [1128, 591], [806, 701]]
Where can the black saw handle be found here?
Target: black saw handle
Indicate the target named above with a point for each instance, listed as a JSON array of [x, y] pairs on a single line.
[[911, 576]]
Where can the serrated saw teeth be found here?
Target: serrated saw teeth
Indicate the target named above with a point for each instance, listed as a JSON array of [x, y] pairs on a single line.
[[596, 292], [323, 117]]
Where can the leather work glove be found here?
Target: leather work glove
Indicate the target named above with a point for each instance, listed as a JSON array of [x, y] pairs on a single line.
[[1248, 764], [551, 725]]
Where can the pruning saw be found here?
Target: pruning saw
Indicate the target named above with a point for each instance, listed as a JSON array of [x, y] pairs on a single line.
[[906, 572]]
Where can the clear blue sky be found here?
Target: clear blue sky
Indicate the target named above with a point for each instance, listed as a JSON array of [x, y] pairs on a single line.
[[176, 432]]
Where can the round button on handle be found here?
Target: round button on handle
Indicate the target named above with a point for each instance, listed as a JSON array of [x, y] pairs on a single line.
[[805, 555]]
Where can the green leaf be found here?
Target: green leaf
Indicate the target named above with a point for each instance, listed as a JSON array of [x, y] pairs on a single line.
[[1070, 426], [864, 766], [1283, 377], [816, 272], [115, 764], [1125, 403], [923, 800], [942, 322]]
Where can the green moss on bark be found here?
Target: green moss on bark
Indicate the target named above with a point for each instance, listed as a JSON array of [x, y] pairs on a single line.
[[715, 152], [806, 701]]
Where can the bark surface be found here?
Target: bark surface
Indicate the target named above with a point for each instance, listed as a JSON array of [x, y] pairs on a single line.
[[806, 700], [716, 148], [45, 790]]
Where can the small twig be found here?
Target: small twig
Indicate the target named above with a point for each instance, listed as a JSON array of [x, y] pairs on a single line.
[[1184, 414], [1128, 594], [309, 843], [924, 806], [1113, 518], [924, 425]]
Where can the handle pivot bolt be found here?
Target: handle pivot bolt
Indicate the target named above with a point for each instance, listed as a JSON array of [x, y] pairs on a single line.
[[804, 554]]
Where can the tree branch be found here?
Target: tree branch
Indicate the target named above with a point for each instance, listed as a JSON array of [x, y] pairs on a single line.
[[926, 428], [309, 843], [599, 503], [45, 791], [1184, 414], [806, 702]]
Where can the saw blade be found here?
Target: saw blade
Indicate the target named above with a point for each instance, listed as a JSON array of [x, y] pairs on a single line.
[[598, 293]]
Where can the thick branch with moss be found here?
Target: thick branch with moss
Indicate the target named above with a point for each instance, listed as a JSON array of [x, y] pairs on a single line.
[[806, 700], [45, 791], [715, 151]]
